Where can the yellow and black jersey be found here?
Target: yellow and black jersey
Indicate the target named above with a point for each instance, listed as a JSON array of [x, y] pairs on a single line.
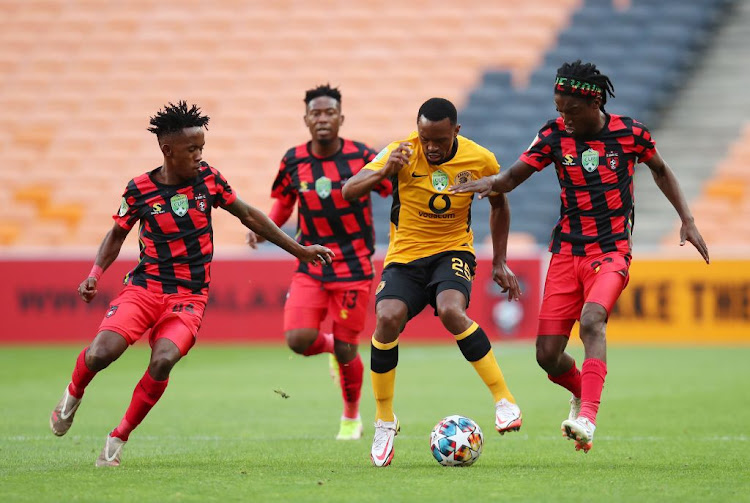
[[425, 218]]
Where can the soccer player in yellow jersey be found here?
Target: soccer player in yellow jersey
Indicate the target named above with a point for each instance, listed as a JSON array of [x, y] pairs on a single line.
[[430, 257]]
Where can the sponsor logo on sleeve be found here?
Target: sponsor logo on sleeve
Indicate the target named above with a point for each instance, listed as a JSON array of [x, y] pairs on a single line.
[[123, 208]]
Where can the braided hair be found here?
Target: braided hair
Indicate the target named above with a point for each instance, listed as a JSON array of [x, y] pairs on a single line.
[[584, 73]]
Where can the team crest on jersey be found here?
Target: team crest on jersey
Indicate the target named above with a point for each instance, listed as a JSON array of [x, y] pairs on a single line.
[[439, 180], [613, 160], [463, 177], [590, 160], [568, 160], [381, 285], [179, 204], [123, 208], [112, 310], [323, 187], [200, 202]]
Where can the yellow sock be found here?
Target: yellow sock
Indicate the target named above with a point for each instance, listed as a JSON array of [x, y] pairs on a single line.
[[382, 388], [490, 372], [383, 361], [477, 349]]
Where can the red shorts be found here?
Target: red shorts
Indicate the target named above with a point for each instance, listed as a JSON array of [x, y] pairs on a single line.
[[572, 281], [310, 300], [136, 310]]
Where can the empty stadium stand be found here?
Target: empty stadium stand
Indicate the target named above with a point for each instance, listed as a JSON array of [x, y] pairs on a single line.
[[80, 80]]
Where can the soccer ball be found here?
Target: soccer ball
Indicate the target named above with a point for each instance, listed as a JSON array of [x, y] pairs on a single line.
[[456, 441]]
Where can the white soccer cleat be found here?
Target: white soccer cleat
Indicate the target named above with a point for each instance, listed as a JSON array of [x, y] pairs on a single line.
[[62, 415], [507, 416], [350, 429], [581, 430], [382, 443], [575, 407], [110, 455]]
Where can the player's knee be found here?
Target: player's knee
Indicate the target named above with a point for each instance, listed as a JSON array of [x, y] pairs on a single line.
[[99, 357], [299, 340], [452, 316], [390, 322], [345, 352], [593, 324], [161, 366], [547, 358]]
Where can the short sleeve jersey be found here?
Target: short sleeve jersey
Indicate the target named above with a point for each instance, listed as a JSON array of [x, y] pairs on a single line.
[[596, 182], [175, 234], [324, 216], [425, 218]]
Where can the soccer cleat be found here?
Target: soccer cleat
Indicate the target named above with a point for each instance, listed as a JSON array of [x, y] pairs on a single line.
[[575, 407], [62, 415], [382, 443], [110, 455], [581, 430], [333, 367], [507, 416], [350, 429]]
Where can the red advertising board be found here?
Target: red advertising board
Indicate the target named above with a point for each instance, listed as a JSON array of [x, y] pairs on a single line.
[[41, 304]]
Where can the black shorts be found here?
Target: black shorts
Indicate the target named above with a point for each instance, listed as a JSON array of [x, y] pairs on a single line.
[[418, 283]]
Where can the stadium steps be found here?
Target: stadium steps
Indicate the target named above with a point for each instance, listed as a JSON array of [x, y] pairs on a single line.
[[696, 137], [82, 79], [660, 40]]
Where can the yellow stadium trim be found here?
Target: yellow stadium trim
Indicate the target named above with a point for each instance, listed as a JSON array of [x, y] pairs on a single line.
[[383, 346], [463, 335]]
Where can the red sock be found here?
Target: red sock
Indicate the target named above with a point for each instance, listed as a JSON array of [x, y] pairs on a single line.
[[323, 344], [351, 386], [147, 392], [570, 380], [81, 376], [593, 373]]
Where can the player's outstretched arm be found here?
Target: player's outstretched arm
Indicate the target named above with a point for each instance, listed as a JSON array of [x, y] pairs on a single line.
[[499, 230], [503, 182], [667, 182], [109, 249], [279, 214], [363, 182], [258, 222]]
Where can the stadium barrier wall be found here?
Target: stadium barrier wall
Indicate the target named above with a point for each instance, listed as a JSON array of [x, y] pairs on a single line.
[[666, 302], [678, 301], [41, 304]]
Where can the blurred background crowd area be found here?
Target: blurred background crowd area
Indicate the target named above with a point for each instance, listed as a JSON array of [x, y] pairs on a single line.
[[80, 79]]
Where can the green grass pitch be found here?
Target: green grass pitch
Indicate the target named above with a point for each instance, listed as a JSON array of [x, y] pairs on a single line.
[[674, 426]]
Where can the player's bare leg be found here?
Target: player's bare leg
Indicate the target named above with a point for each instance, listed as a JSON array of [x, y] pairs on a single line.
[[560, 367], [106, 347], [594, 371], [391, 317], [476, 348], [164, 356]]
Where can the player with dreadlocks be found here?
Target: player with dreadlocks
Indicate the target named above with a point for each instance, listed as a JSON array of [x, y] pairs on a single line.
[[167, 290], [595, 154], [310, 177]]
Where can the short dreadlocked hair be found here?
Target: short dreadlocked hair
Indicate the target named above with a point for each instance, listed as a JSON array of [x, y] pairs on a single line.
[[584, 80], [174, 118], [322, 90]]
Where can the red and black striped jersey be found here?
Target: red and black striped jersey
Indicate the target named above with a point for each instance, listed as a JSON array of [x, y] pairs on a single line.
[[596, 182], [324, 217], [175, 235]]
